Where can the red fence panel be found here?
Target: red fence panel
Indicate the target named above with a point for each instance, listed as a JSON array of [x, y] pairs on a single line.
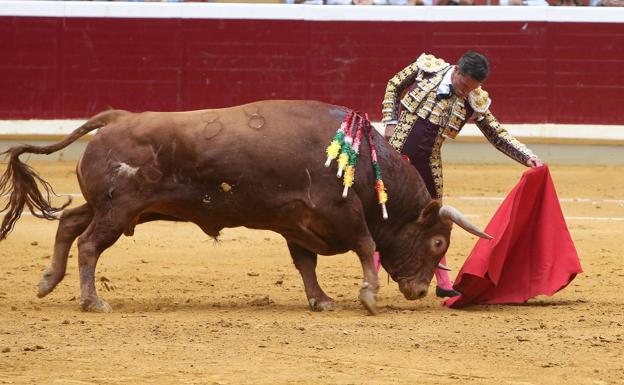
[[543, 71]]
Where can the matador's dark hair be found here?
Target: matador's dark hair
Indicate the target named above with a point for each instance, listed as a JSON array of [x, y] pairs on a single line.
[[474, 65]]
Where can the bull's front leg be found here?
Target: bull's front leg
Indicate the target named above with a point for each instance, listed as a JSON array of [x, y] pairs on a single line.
[[370, 285], [305, 262]]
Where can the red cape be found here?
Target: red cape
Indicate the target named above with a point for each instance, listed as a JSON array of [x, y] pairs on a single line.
[[532, 252]]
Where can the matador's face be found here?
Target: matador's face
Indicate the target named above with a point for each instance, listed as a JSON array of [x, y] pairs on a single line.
[[463, 84]]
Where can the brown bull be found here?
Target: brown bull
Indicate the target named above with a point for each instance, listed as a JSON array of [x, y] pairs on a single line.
[[260, 166]]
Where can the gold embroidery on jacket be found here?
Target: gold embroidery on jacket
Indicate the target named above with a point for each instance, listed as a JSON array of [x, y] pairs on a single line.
[[479, 100], [395, 86], [402, 130], [413, 100], [454, 119], [449, 114], [435, 163], [430, 63], [501, 139]]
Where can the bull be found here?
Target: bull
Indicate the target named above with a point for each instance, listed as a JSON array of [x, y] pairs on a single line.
[[260, 166]]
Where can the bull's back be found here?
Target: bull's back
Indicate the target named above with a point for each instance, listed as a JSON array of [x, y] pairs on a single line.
[[269, 129], [268, 135], [249, 146], [254, 126]]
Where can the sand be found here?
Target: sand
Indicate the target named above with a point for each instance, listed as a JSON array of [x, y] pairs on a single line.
[[190, 311]]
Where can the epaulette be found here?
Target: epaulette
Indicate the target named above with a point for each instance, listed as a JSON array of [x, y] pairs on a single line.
[[479, 100], [430, 63]]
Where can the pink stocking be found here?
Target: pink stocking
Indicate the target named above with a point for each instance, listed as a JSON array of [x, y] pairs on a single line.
[[377, 260], [442, 276]]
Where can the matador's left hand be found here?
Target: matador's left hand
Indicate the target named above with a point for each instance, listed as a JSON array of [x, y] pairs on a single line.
[[534, 161]]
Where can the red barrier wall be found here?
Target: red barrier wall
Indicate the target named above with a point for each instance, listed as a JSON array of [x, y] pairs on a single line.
[[72, 67]]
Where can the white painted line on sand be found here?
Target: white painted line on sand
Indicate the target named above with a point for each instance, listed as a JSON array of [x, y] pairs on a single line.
[[615, 219], [567, 200]]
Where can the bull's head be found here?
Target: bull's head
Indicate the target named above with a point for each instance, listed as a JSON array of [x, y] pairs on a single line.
[[420, 244]]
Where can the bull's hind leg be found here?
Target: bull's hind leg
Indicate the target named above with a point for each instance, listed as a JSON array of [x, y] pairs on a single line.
[[102, 232], [72, 223], [305, 262]]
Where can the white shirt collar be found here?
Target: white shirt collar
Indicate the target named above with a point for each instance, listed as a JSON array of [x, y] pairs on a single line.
[[444, 87]]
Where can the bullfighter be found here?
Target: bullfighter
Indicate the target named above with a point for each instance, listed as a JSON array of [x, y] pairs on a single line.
[[431, 100]]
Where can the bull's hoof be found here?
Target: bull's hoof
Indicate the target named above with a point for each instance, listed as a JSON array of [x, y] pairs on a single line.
[[96, 305], [317, 305], [45, 288], [368, 299], [48, 282]]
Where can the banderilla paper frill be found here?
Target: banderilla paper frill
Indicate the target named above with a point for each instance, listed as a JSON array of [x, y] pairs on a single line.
[[346, 147]]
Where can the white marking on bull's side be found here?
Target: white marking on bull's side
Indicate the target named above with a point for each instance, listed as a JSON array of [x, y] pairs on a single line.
[[310, 187], [155, 153], [126, 169]]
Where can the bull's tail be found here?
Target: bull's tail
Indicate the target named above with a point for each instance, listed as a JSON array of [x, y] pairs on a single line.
[[24, 186]]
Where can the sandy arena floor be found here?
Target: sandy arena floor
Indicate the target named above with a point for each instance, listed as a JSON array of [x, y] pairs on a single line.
[[188, 311]]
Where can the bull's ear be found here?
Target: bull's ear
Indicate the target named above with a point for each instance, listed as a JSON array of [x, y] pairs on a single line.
[[430, 214]]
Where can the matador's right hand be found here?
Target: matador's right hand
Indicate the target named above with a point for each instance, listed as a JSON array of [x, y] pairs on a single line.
[[534, 161]]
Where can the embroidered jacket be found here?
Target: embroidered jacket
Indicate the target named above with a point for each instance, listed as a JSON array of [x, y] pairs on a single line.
[[416, 87]]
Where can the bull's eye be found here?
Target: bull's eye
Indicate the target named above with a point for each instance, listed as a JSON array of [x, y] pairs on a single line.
[[438, 244]]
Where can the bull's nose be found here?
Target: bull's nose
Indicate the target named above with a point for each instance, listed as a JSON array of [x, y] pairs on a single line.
[[415, 294], [410, 296], [421, 294], [413, 289]]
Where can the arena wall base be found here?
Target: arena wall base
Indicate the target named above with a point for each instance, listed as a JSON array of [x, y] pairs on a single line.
[[452, 152], [568, 154], [554, 143]]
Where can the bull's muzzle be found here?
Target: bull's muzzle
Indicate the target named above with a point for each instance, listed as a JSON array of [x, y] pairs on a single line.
[[413, 290]]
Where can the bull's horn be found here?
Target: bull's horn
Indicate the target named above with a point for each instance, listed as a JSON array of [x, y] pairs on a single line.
[[442, 266], [454, 215]]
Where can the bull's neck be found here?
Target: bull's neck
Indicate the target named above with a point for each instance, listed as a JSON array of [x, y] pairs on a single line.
[[407, 196]]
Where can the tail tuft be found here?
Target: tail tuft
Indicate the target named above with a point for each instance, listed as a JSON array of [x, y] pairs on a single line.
[[24, 187]]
